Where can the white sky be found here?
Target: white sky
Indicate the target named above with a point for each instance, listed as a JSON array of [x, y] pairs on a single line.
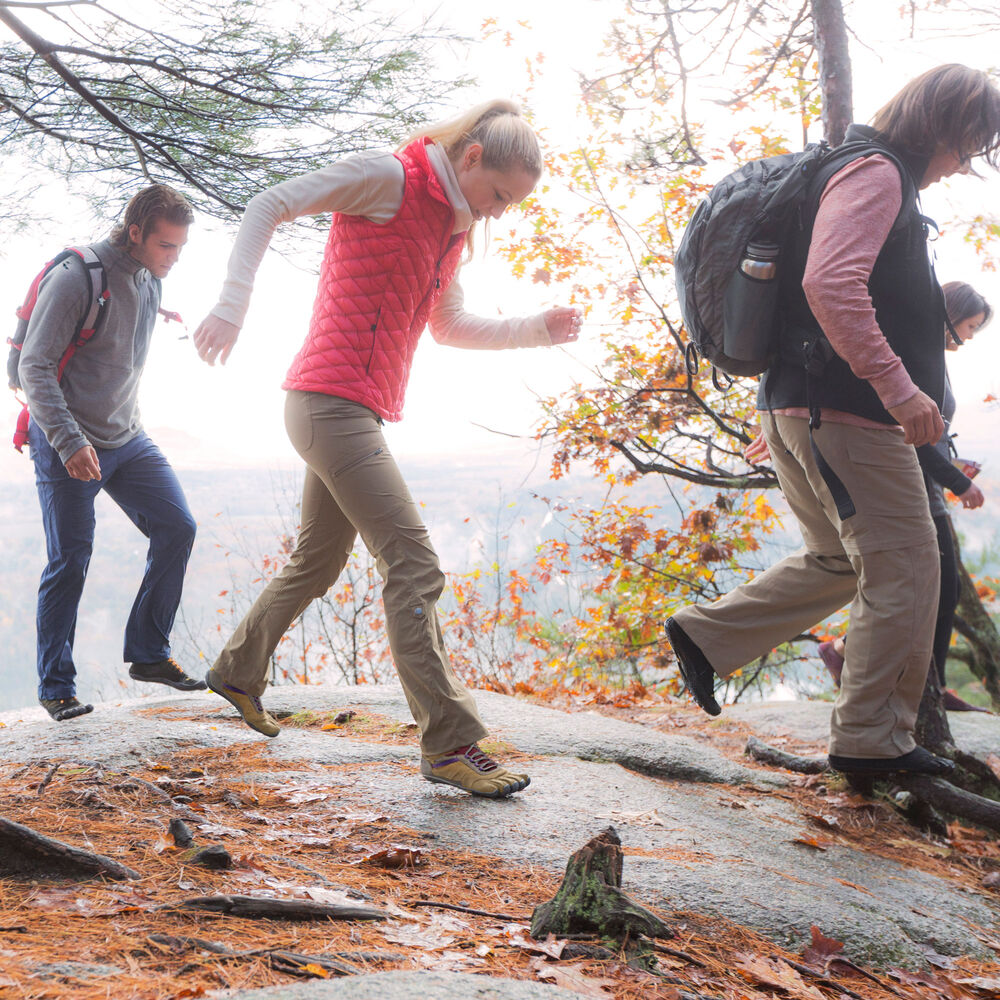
[[233, 415]]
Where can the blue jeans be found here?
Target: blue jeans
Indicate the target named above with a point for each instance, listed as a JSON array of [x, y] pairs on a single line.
[[139, 479]]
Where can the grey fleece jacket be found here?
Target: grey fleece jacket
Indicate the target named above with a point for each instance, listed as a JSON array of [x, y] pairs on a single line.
[[97, 401]]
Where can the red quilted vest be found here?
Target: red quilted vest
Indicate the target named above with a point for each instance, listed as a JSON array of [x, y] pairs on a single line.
[[376, 289]]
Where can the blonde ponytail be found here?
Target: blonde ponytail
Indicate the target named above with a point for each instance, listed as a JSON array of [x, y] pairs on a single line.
[[508, 141]]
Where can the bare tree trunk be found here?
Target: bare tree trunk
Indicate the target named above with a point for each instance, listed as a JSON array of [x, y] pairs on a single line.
[[830, 36], [974, 624]]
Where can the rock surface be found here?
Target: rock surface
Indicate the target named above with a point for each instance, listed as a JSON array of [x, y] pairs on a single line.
[[700, 832]]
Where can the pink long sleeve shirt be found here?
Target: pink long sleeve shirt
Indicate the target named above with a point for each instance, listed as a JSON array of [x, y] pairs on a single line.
[[857, 210]]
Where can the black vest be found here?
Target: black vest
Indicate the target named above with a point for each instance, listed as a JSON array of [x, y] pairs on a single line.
[[909, 308]]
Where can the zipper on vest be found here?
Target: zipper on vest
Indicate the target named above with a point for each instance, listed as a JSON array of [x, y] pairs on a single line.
[[371, 353]]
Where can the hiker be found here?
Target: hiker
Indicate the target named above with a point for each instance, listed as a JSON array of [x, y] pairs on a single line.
[[401, 222], [853, 480], [968, 312], [85, 435]]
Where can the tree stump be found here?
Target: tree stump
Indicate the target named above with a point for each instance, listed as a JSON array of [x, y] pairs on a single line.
[[590, 899]]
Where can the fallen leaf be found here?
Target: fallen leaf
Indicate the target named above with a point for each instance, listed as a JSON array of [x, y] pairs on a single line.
[[551, 946], [573, 978], [648, 818], [822, 948], [393, 858], [415, 936], [824, 819], [810, 842], [451, 961], [779, 974]]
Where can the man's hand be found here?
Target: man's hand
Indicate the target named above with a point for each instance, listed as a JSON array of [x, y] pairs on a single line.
[[83, 464], [563, 324], [972, 497], [920, 419], [215, 338]]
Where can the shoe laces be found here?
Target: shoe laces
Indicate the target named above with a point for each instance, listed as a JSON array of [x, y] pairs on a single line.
[[172, 668], [477, 758]]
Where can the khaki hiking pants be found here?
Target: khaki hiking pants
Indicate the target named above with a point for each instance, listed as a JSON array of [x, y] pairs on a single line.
[[884, 561], [353, 487]]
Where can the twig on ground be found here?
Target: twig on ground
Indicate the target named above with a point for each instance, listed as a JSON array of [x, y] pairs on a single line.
[[766, 754], [49, 775], [265, 908], [522, 918]]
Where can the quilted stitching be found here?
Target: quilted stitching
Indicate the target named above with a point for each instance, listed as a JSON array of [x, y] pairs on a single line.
[[377, 286]]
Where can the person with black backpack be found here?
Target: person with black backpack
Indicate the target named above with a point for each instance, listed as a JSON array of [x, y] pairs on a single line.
[[78, 354], [857, 380]]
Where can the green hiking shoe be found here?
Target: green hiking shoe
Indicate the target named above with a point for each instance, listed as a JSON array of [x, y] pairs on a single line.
[[249, 706], [471, 770]]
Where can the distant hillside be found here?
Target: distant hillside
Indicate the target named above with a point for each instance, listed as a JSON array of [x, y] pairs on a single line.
[[465, 503], [468, 503]]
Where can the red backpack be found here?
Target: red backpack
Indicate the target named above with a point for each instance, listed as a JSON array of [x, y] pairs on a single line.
[[98, 294]]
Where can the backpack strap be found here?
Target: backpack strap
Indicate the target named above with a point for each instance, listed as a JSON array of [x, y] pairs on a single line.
[[99, 295]]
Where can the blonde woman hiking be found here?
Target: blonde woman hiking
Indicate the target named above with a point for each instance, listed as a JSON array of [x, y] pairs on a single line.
[[401, 222]]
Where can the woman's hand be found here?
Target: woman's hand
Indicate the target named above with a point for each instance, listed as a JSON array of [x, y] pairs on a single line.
[[215, 338], [757, 450], [972, 497], [563, 324]]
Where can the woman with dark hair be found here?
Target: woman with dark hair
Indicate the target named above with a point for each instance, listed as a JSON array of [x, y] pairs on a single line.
[[858, 381], [968, 313]]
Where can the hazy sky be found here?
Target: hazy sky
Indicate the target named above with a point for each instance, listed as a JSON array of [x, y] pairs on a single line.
[[234, 414]]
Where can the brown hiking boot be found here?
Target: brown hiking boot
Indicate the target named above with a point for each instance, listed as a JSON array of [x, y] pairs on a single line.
[[471, 770]]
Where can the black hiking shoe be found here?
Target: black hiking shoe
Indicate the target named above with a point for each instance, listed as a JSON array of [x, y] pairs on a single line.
[[165, 672], [62, 709], [695, 669], [917, 761]]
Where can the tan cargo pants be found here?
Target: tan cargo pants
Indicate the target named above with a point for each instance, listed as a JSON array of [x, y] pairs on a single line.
[[353, 487], [883, 560]]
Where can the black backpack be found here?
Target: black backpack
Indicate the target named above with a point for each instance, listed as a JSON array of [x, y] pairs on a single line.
[[728, 265]]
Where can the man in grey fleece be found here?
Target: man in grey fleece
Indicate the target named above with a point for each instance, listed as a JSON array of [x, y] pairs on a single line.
[[85, 436]]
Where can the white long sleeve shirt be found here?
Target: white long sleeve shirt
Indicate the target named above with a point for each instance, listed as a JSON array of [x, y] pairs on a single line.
[[369, 184]]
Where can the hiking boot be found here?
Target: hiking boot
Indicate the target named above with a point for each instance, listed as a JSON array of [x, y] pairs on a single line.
[[694, 666], [917, 761], [953, 703], [62, 709], [832, 660], [471, 770], [249, 706], [165, 672]]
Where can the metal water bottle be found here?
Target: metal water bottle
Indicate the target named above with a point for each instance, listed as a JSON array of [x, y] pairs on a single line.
[[760, 261], [749, 305]]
